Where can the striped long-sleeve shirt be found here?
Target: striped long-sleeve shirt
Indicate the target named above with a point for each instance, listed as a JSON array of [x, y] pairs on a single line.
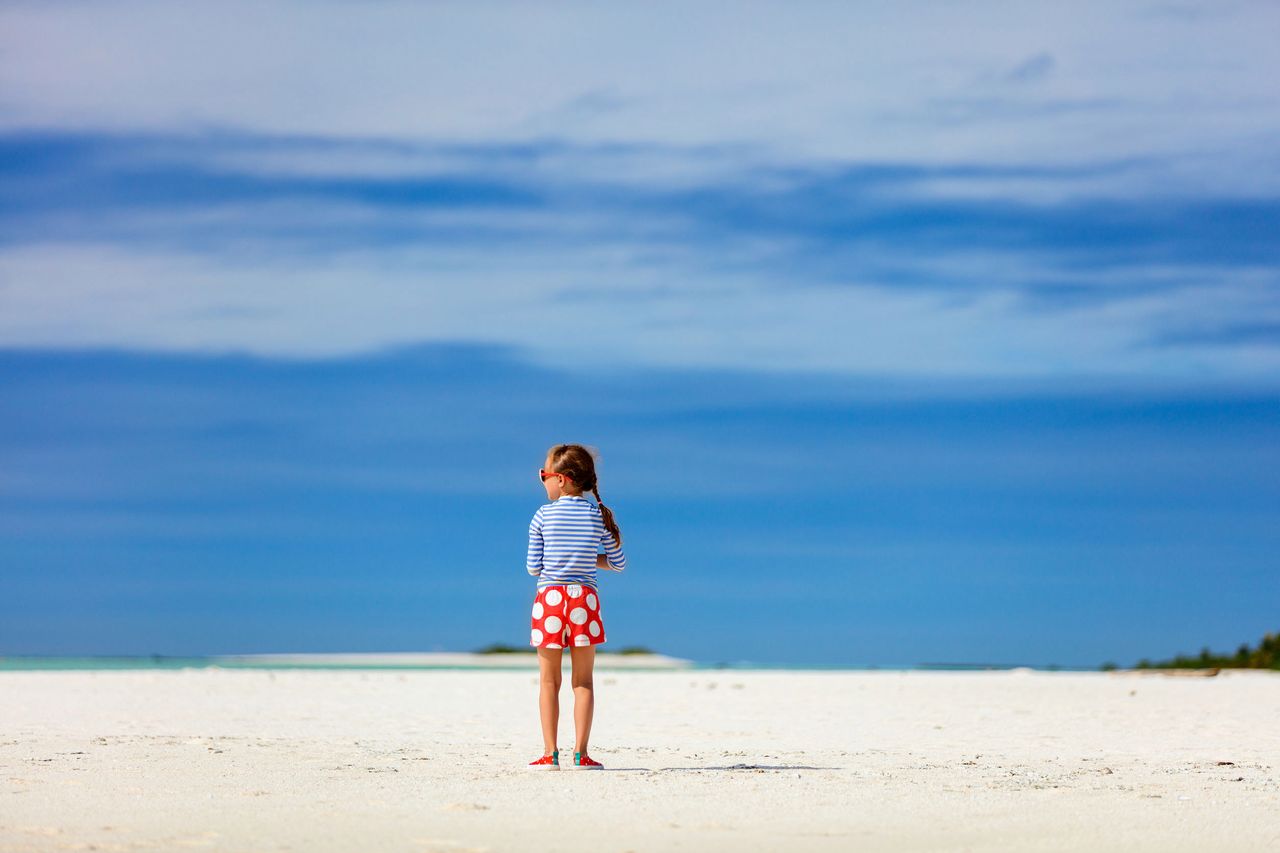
[[564, 538]]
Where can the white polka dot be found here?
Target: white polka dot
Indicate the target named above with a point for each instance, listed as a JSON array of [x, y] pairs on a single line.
[[553, 645], [552, 624], [552, 597], [578, 615], [535, 637], [591, 601], [594, 628], [537, 610], [581, 640]]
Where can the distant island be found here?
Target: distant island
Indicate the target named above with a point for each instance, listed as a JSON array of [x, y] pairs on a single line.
[[1266, 656], [504, 649]]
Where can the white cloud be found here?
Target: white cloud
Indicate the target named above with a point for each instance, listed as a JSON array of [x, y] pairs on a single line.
[[593, 310], [662, 96], [850, 82]]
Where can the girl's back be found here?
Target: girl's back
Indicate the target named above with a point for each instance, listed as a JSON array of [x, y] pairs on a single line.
[[565, 536]]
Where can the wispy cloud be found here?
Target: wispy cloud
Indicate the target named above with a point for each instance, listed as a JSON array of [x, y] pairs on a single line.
[[150, 242], [1032, 69], [1049, 200], [1264, 333], [665, 74]]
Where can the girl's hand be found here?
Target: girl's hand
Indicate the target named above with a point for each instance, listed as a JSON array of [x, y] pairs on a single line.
[[602, 562]]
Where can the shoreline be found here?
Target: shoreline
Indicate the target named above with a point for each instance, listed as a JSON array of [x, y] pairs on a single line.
[[338, 660], [484, 661], [446, 660]]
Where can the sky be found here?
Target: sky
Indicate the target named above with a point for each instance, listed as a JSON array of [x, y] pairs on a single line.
[[906, 333]]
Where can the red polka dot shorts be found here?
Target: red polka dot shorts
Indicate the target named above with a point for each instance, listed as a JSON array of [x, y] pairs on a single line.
[[566, 614]]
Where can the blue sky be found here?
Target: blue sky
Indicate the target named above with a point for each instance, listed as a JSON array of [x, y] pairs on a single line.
[[897, 347]]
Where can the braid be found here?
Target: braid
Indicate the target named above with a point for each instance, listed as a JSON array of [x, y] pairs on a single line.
[[607, 515]]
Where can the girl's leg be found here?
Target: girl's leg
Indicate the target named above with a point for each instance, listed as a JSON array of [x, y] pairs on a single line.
[[549, 697], [584, 697]]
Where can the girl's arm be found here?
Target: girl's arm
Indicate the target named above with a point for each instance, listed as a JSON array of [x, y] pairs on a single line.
[[533, 560], [612, 558]]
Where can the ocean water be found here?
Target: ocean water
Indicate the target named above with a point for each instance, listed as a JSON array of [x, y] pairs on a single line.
[[159, 662]]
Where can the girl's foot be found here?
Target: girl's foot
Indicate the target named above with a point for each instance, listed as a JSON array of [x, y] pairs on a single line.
[[582, 761], [547, 762]]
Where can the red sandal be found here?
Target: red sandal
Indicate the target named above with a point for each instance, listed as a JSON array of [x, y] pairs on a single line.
[[547, 762], [582, 761]]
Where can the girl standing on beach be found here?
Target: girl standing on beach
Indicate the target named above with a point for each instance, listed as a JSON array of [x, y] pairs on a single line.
[[564, 538]]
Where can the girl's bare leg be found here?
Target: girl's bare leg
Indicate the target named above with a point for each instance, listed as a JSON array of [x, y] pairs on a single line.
[[584, 696], [549, 697]]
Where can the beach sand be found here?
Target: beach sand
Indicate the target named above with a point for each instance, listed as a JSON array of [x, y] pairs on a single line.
[[226, 759]]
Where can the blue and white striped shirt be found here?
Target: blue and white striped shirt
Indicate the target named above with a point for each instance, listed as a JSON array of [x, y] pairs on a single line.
[[564, 538]]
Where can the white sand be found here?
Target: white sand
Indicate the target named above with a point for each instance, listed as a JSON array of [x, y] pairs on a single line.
[[698, 760]]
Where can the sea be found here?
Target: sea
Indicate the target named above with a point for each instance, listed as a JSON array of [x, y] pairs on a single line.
[[466, 661]]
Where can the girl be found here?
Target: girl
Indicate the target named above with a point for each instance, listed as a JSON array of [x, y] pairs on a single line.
[[563, 540]]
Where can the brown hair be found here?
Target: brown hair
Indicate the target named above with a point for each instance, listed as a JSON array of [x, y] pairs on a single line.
[[579, 464]]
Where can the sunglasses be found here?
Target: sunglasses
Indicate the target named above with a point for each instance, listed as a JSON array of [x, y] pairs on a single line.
[[543, 474]]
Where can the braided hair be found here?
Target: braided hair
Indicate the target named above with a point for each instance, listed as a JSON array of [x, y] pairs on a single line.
[[578, 463]]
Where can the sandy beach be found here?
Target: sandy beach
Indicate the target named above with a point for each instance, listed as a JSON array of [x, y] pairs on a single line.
[[270, 760]]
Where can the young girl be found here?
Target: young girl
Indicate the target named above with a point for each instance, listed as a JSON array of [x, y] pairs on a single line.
[[564, 536]]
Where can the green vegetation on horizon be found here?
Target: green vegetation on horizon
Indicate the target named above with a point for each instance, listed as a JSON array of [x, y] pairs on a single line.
[[1266, 656], [504, 649]]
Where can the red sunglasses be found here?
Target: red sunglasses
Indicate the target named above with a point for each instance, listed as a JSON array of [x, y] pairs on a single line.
[[543, 474]]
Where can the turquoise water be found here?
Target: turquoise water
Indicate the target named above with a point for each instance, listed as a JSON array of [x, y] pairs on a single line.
[[154, 662]]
